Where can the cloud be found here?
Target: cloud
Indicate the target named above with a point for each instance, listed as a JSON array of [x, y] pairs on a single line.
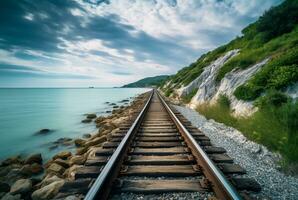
[[116, 41]]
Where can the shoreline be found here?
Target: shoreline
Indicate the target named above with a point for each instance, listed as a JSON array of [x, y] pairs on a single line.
[[32, 178]]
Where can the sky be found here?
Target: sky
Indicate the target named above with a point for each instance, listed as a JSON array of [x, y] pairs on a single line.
[[106, 43]]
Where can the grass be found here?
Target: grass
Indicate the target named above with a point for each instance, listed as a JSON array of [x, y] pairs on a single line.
[[274, 125], [187, 98]]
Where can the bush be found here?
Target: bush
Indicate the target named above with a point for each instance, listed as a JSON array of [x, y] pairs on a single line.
[[273, 98], [248, 92], [224, 101]]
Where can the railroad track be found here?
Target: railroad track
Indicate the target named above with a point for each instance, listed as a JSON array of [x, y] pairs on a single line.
[[161, 152]]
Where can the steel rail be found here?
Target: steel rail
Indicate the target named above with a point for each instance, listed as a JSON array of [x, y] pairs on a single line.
[[103, 184], [221, 186]]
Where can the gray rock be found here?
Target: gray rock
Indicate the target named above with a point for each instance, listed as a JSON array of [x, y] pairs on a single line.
[[91, 116], [21, 186], [86, 120]]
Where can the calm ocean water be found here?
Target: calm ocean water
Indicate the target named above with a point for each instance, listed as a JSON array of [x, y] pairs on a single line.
[[23, 112]]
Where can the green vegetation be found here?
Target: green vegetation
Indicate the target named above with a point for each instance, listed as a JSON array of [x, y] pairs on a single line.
[[148, 82], [188, 74], [275, 124], [279, 73], [273, 34], [187, 98]]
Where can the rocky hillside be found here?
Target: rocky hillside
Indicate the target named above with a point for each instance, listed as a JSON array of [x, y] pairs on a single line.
[[251, 83], [264, 58], [148, 82]]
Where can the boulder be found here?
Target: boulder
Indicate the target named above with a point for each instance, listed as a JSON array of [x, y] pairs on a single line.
[[63, 155], [91, 116], [9, 196], [48, 191], [96, 141], [86, 120], [61, 162], [43, 131], [99, 119], [77, 160], [21, 186], [4, 187], [81, 150], [56, 169], [29, 170], [79, 142], [50, 179], [14, 175], [35, 158]]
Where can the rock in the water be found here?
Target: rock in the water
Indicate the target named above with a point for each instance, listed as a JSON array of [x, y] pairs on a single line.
[[108, 111], [77, 160], [35, 158], [115, 106], [56, 169], [91, 116], [4, 187], [87, 135], [79, 142], [86, 120], [47, 192], [63, 155], [21, 186], [44, 131], [9, 196]]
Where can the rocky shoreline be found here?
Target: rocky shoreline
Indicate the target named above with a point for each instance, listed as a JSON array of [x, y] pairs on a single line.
[[32, 178]]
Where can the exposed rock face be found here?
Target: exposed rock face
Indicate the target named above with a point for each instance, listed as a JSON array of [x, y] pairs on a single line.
[[21, 186], [230, 83], [208, 90], [205, 83]]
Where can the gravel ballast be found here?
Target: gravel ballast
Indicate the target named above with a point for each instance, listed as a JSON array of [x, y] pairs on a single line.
[[259, 163]]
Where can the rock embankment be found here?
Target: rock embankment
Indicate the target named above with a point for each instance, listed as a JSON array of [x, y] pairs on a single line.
[[19, 177]]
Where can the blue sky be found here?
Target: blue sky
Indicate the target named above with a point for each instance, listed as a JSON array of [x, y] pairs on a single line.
[[79, 43]]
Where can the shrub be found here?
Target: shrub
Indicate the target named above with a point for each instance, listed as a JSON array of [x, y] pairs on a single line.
[[187, 98], [273, 98], [248, 92]]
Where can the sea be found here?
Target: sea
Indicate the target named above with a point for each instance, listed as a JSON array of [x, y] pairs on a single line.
[[24, 112]]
